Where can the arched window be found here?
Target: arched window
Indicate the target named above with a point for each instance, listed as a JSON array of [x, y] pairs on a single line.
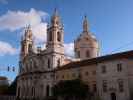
[[58, 62], [31, 64], [27, 66], [47, 90], [32, 91], [59, 36], [30, 48], [87, 53], [50, 36], [35, 64], [57, 22], [48, 63], [24, 91], [18, 92]]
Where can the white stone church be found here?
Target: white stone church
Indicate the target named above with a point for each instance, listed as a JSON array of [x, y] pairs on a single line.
[[110, 77]]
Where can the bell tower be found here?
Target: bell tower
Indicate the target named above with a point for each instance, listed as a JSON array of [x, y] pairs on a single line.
[[26, 43], [55, 40], [55, 34]]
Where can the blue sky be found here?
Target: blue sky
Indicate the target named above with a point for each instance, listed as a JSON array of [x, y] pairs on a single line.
[[110, 20]]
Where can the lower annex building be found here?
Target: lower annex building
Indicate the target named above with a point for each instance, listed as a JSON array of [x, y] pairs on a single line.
[[110, 76]]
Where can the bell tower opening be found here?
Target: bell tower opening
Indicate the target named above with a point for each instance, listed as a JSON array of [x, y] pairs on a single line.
[[50, 36], [58, 37]]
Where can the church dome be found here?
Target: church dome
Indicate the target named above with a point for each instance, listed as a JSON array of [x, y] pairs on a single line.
[[86, 42]]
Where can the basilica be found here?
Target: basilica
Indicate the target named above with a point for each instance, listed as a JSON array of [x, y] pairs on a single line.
[[110, 76]]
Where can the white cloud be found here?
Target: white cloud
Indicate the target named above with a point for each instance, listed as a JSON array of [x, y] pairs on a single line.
[[69, 49], [15, 20], [3, 1], [7, 49], [39, 32]]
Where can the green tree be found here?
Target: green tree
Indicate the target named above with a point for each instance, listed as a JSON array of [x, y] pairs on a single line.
[[8, 89], [3, 89], [12, 88], [71, 89]]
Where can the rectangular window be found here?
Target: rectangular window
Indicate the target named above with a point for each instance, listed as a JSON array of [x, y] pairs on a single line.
[[94, 87], [104, 86], [86, 73], [121, 85], [48, 63], [103, 69], [119, 67]]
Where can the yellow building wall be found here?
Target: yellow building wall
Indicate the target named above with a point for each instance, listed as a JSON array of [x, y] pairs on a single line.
[[86, 73]]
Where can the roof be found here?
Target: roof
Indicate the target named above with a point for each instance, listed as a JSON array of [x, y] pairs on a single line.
[[127, 54], [3, 78]]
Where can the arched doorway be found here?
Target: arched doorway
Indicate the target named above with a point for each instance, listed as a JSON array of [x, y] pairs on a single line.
[[113, 96]]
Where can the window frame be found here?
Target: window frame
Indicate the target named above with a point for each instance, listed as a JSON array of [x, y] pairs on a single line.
[[105, 86], [103, 69], [121, 85], [119, 67]]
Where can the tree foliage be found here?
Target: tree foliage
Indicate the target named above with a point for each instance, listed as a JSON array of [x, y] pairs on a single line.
[[3, 89], [71, 89], [12, 88], [9, 89]]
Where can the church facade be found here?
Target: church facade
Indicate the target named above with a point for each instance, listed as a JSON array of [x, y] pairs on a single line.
[[110, 77]]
